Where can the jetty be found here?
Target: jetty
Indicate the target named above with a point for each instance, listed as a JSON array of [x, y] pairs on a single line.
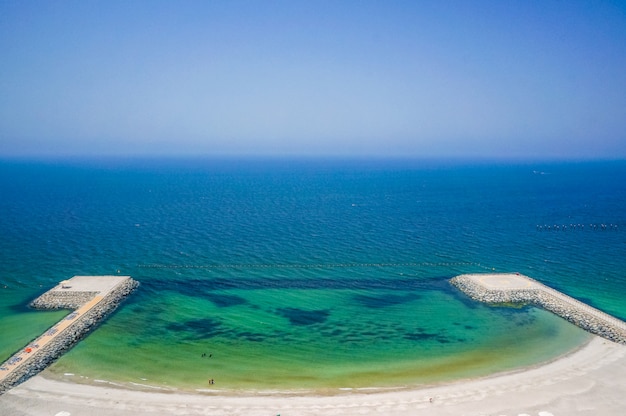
[[503, 288], [91, 298]]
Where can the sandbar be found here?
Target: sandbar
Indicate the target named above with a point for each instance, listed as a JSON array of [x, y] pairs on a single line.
[[588, 381]]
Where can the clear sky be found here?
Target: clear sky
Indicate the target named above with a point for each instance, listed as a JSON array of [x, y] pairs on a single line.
[[522, 79]]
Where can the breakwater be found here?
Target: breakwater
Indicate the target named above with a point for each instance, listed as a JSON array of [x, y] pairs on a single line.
[[93, 307], [516, 288], [62, 300]]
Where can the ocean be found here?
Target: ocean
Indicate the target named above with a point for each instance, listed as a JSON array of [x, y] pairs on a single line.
[[307, 274]]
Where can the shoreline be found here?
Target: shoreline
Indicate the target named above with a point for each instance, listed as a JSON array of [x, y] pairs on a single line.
[[51, 376], [589, 380]]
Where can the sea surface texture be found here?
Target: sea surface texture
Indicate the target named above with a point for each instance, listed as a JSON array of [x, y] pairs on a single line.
[[309, 275]]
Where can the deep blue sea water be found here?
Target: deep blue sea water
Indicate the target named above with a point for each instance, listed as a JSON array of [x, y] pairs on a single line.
[[308, 274]]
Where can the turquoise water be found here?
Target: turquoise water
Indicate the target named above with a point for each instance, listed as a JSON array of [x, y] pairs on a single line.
[[308, 274]]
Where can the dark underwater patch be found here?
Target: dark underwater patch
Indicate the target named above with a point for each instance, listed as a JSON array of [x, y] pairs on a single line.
[[224, 301], [201, 328], [520, 316], [421, 335], [301, 317], [137, 309]]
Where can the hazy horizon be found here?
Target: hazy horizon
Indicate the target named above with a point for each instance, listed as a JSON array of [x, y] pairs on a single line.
[[461, 80]]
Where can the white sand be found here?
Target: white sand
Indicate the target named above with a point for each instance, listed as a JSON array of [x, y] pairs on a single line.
[[591, 381]]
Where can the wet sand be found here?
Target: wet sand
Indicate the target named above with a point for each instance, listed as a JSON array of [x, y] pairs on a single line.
[[589, 381]]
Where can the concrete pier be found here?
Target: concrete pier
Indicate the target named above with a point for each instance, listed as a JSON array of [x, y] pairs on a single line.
[[92, 297], [516, 288]]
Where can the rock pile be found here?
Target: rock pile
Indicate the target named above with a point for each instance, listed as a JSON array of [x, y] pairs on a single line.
[[59, 299], [570, 309]]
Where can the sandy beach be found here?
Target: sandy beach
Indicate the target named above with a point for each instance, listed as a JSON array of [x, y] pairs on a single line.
[[589, 381]]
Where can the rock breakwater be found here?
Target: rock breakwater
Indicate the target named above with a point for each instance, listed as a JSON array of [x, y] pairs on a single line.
[[62, 300], [580, 314], [44, 350]]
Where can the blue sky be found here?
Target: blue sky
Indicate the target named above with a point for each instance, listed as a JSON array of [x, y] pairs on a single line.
[[493, 79]]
